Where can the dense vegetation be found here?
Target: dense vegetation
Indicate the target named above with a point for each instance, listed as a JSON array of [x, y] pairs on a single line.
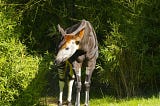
[[128, 32]]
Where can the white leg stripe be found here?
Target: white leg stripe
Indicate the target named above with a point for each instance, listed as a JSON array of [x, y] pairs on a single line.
[[87, 71], [78, 100], [86, 98], [79, 72], [86, 82], [70, 84], [60, 97], [61, 86]]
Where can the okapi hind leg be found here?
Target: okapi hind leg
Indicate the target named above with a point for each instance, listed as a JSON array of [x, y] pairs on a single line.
[[89, 70], [87, 87], [78, 86]]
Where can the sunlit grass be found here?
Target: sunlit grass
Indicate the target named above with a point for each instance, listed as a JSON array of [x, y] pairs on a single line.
[[109, 101], [123, 102]]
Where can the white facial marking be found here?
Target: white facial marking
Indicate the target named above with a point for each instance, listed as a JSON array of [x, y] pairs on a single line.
[[66, 52]]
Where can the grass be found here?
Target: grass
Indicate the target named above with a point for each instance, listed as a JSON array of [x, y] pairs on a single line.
[[123, 102], [109, 101]]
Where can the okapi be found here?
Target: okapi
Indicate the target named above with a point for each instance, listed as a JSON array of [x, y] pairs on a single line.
[[78, 44]]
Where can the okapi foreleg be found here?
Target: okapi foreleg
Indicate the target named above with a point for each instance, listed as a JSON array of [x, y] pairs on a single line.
[[70, 85], [61, 86], [77, 68], [71, 77]]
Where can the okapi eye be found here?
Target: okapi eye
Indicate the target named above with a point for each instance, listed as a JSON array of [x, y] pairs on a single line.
[[77, 42], [67, 48]]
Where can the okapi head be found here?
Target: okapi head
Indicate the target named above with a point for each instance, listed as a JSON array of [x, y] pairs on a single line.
[[70, 41]]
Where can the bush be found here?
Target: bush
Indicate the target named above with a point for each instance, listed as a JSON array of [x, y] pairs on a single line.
[[17, 70], [129, 54], [22, 76]]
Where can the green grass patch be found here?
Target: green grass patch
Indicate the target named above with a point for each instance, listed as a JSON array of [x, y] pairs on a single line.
[[107, 101]]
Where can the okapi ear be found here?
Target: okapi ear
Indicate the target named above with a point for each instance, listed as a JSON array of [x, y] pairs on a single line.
[[80, 35], [61, 30]]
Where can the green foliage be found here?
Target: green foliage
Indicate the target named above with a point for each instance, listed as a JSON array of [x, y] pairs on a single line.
[[126, 56], [22, 76], [17, 70]]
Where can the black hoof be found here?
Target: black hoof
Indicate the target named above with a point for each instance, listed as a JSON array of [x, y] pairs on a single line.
[[69, 104], [59, 104]]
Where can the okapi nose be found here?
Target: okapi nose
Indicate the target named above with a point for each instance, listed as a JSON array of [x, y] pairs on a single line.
[[56, 62]]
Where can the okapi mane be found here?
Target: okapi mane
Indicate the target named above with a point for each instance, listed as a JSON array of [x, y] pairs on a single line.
[[89, 40], [72, 28]]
